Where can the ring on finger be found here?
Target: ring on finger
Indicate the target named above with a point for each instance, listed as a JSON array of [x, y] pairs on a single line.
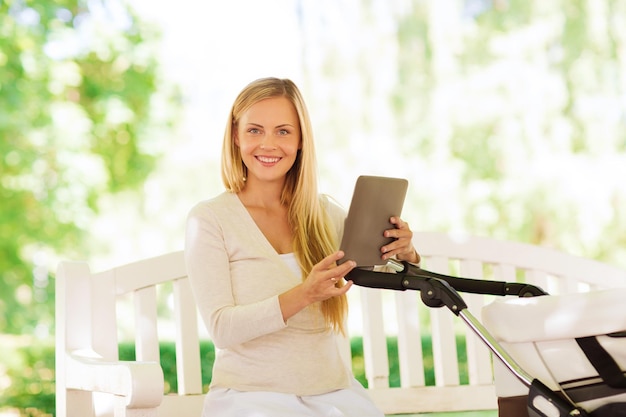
[[333, 279]]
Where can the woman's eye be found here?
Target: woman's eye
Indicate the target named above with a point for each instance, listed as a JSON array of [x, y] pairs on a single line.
[[283, 132], [254, 130]]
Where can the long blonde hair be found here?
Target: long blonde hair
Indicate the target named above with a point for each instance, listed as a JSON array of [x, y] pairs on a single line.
[[314, 235]]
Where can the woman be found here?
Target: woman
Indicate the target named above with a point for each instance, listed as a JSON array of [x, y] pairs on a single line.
[[262, 258]]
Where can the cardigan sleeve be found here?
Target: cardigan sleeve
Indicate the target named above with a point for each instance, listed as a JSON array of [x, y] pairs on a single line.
[[209, 273]]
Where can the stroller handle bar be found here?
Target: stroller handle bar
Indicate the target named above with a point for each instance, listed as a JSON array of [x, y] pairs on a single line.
[[409, 275]]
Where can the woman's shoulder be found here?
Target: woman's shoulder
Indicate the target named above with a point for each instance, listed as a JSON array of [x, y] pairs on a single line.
[[332, 207], [225, 201], [335, 213]]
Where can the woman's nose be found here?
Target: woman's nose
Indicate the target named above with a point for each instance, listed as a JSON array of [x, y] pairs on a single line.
[[268, 143]]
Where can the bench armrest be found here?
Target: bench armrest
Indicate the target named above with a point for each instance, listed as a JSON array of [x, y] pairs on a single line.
[[141, 383]]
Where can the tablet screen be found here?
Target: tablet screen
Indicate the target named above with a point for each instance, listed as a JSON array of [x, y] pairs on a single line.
[[374, 201]]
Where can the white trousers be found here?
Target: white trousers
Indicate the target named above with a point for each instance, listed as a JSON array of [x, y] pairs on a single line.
[[349, 402]]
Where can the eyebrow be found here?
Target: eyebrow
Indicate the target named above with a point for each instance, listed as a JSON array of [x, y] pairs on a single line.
[[283, 125]]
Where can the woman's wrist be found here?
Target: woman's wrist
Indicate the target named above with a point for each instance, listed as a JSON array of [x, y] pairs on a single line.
[[293, 301], [413, 258]]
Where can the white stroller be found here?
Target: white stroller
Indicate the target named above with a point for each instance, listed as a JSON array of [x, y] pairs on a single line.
[[574, 343], [563, 355]]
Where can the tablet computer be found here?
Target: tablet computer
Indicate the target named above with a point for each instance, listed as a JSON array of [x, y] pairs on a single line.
[[374, 201]]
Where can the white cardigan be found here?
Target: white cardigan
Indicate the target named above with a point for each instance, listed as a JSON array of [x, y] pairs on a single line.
[[236, 277]]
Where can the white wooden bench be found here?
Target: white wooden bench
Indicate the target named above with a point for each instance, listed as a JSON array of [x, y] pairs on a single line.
[[92, 381]]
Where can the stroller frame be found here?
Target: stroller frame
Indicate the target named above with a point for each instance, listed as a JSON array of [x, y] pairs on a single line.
[[438, 290]]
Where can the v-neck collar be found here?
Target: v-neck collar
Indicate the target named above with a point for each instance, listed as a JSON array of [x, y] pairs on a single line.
[[253, 226], [258, 235]]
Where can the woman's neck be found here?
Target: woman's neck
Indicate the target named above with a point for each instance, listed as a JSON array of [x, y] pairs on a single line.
[[263, 195]]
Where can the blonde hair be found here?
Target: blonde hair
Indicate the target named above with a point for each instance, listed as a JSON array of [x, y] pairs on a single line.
[[314, 236]]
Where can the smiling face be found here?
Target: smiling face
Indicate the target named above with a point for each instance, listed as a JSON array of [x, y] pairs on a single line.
[[268, 137]]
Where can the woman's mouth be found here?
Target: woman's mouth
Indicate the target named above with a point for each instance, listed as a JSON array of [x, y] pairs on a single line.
[[267, 160]]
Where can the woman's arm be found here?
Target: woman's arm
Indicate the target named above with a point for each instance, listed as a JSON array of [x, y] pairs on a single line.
[[208, 268]]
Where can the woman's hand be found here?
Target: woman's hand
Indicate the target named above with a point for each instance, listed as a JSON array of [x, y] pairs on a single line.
[[402, 247], [323, 282]]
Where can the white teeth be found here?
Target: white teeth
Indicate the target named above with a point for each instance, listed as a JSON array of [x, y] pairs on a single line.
[[267, 160]]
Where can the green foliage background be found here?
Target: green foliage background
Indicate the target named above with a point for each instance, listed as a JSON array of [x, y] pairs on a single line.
[[524, 102], [78, 91], [508, 116], [69, 106]]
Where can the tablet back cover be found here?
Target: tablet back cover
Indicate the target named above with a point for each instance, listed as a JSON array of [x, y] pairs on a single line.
[[374, 201]]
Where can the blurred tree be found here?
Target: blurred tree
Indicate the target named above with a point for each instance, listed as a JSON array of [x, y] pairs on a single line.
[[78, 90], [519, 105]]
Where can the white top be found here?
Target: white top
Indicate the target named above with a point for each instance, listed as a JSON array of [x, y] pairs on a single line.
[[291, 261], [236, 276]]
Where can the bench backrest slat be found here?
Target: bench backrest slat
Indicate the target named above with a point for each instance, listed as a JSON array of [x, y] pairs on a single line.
[[188, 343], [410, 352], [374, 339], [443, 334], [146, 332]]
